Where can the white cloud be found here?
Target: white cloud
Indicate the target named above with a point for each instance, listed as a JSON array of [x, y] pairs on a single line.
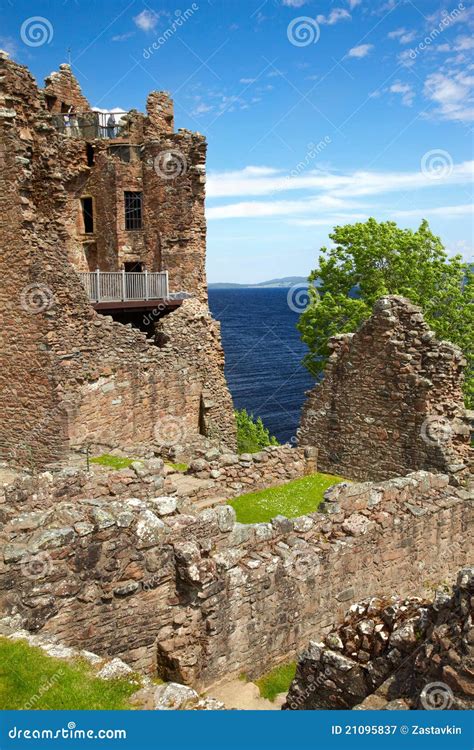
[[336, 15], [123, 37], [248, 80], [403, 36], [405, 90], [259, 209], [361, 51], [463, 43], [7, 44], [294, 3], [354, 3], [452, 93], [146, 20], [447, 212], [328, 192]]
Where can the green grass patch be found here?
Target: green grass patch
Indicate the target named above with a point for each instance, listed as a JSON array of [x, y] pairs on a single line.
[[277, 681], [29, 679], [114, 462], [295, 498], [178, 467]]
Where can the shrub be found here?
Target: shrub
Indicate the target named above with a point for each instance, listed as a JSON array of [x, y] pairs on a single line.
[[252, 435]]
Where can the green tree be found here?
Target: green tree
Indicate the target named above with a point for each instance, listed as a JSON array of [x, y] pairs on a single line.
[[376, 259], [252, 435]]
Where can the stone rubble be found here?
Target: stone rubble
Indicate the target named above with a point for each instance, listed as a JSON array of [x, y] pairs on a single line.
[[394, 654]]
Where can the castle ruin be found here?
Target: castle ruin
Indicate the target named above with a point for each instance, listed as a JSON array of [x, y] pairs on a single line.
[[107, 337], [390, 401]]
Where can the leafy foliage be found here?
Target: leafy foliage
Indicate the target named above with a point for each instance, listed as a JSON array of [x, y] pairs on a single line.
[[292, 499], [372, 259], [252, 435]]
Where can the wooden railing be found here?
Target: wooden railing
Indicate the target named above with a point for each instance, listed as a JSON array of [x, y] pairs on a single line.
[[122, 286]]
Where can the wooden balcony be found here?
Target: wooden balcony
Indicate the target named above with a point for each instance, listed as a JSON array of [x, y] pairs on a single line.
[[121, 290]]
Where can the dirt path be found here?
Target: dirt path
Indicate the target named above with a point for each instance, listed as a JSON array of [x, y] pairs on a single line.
[[244, 696]]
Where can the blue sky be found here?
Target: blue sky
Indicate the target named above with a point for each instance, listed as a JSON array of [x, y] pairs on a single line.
[[316, 113]]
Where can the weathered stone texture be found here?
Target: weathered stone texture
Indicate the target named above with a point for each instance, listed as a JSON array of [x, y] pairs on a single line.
[[201, 596], [394, 654], [70, 376], [63, 91], [390, 401]]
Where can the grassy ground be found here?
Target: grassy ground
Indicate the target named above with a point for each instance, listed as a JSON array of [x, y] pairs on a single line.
[[29, 679], [178, 467], [277, 681], [291, 500], [114, 462]]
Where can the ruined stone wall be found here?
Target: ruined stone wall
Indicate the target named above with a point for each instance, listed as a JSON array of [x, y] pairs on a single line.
[[71, 376], [198, 596], [215, 476], [63, 91], [167, 168], [226, 475], [390, 401]]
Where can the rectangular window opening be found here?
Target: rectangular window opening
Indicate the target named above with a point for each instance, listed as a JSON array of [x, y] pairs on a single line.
[[87, 215], [133, 210]]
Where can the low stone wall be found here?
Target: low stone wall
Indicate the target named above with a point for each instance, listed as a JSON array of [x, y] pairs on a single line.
[[199, 596], [215, 475], [229, 474]]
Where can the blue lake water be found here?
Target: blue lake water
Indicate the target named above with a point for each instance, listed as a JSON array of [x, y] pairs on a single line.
[[263, 355]]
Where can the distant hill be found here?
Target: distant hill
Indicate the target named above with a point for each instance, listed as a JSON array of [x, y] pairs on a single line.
[[285, 282]]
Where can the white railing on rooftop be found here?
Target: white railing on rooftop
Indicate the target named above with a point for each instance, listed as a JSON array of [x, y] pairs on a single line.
[[123, 286]]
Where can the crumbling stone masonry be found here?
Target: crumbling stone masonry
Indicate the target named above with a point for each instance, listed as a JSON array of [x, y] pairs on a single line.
[[394, 654], [390, 401], [70, 376], [196, 596]]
